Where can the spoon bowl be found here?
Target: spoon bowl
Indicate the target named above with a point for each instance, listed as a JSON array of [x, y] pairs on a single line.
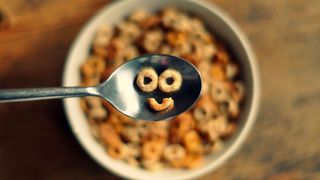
[[123, 93]]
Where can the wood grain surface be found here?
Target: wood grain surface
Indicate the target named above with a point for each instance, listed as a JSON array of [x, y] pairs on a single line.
[[36, 141]]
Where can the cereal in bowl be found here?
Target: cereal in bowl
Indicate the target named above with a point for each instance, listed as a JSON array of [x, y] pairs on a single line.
[[185, 140]]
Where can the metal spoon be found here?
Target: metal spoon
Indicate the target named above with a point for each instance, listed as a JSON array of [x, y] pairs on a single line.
[[121, 89]]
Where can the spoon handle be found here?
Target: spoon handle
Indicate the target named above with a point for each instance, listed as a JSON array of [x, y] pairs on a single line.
[[15, 95]]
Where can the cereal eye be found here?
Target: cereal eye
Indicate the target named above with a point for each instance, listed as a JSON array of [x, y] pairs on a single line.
[[147, 79], [169, 81]]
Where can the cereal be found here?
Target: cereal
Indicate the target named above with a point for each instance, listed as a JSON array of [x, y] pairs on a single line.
[[154, 133], [231, 71], [119, 151], [222, 56], [134, 150], [174, 19], [185, 140], [152, 40], [192, 142], [129, 30], [93, 67], [203, 50], [147, 73], [103, 36], [180, 125], [183, 49], [169, 17], [229, 131], [192, 161], [94, 128], [164, 86], [138, 15], [219, 91], [150, 22], [131, 134], [176, 38], [167, 104], [97, 113], [217, 72], [109, 135], [214, 128], [216, 146], [205, 108], [132, 161], [233, 108], [152, 165], [100, 51], [130, 53], [152, 150], [174, 152], [238, 91]]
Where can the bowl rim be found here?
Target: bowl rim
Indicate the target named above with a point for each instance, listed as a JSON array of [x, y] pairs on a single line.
[[253, 110]]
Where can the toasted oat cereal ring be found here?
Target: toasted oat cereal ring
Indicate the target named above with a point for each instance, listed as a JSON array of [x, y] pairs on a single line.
[[150, 74], [220, 124], [138, 15], [150, 22], [215, 146], [231, 70], [131, 134], [217, 71], [168, 74], [219, 91], [174, 152], [186, 122], [93, 101], [93, 66], [205, 108], [213, 135], [155, 134], [108, 135], [192, 142], [237, 91], [84, 105], [167, 103], [100, 51], [170, 106], [216, 127], [134, 150], [152, 150], [231, 128], [180, 125], [119, 151], [94, 128], [97, 113], [233, 108], [192, 161], [222, 55], [176, 38]]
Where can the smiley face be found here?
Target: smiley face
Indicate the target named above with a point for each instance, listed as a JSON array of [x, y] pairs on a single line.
[[169, 81]]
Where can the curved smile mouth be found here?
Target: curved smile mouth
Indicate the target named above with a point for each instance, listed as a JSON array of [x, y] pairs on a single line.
[[166, 105]]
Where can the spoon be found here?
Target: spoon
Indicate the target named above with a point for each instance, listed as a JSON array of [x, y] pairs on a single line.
[[121, 91]]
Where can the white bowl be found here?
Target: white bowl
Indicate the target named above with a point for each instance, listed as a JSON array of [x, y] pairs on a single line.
[[223, 27]]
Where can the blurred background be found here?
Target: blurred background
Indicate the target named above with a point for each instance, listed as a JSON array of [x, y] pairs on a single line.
[[36, 141]]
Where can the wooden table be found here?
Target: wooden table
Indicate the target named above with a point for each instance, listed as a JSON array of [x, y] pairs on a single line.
[[36, 141]]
